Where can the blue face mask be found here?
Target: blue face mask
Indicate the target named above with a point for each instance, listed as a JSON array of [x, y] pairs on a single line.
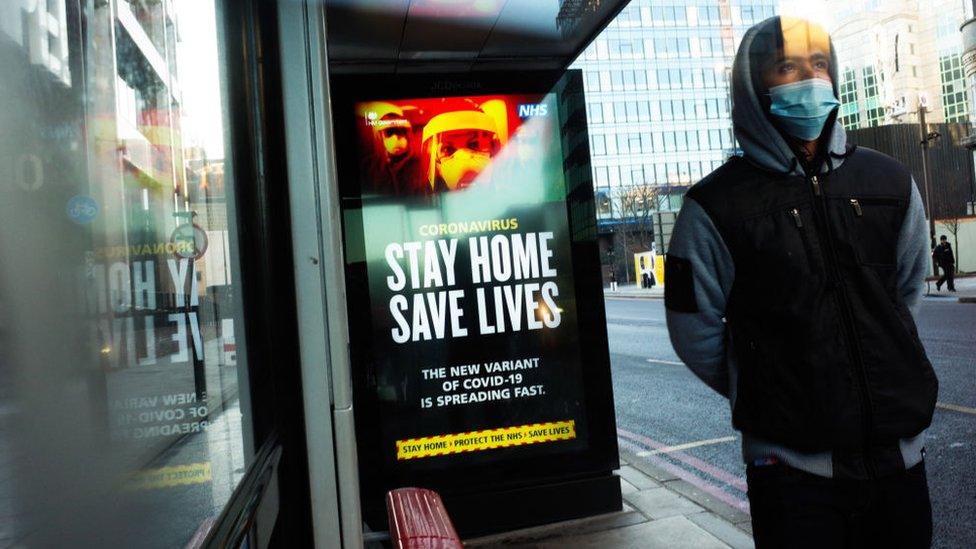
[[802, 107]]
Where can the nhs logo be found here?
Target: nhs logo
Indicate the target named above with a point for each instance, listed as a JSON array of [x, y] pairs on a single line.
[[533, 109]]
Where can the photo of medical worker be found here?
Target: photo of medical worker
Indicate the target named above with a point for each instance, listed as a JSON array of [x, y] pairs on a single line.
[[430, 146]]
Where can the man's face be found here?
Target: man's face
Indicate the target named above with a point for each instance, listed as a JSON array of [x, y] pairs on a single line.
[[395, 141], [463, 155], [805, 54], [787, 69]]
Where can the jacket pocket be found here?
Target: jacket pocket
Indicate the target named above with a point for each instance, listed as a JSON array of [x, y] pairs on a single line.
[[875, 223]]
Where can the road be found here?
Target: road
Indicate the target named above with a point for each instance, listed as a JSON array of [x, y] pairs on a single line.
[[668, 417]]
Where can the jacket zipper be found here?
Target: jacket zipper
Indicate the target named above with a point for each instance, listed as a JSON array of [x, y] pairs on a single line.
[[807, 246], [796, 218], [825, 234]]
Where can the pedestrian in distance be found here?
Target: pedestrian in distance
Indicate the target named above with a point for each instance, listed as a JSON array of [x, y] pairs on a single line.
[[793, 271], [613, 280], [946, 261]]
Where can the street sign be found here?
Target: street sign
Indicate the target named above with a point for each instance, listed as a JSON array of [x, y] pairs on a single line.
[[82, 209], [193, 237]]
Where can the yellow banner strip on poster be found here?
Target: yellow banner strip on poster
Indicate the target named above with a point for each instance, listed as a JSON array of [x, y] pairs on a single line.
[[177, 475], [488, 439]]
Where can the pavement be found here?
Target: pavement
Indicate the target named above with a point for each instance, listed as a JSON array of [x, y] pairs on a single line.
[[965, 290], [660, 511], [635, 291]]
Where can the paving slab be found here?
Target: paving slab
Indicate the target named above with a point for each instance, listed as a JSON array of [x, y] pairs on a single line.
[[708, 501], [670, 533], [531, 537], [637, 478], [626, 487], [656, 473], [745, 526], [658, 503], [723, 530]]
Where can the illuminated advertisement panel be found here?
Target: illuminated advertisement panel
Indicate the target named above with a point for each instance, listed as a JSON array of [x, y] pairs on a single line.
[[471, 356]]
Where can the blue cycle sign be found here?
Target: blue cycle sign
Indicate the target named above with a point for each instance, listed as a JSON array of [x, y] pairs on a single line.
[[82, 209]]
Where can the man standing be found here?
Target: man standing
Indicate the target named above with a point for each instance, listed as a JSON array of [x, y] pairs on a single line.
[[792, 272], [947, 262]]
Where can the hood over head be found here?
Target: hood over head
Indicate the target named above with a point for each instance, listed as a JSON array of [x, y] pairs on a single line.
[[761, 141]]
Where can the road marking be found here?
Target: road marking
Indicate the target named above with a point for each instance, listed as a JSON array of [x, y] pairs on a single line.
[[689, 477], [703, 466], [669, 362], [685, 446], [956, 408]]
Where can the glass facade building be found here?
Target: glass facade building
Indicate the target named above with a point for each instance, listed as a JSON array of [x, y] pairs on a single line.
[[896, 54], [658, 109]]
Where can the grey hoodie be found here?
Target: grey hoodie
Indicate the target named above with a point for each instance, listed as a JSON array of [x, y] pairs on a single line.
[[701, 339]]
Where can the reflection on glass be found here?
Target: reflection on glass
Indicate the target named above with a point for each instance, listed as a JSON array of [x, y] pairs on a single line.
[[121, 385]]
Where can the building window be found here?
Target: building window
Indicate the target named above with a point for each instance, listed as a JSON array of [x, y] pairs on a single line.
[[637, 175], [662, 79], [681, 141], [679, 110], [619, 111], [596, 113], [616, 81], [953, 89], [850, 116], [640, 79], [599, 145], [632, 111], [875, 111], [646, 144], [592, 81]]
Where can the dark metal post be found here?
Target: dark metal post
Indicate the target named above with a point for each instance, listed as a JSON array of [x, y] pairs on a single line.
[[925, 177]]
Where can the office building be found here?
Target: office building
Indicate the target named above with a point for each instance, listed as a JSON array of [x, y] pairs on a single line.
[[658, 108], [896, 54]]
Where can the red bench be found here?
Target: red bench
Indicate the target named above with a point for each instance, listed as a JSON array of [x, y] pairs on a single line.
[[418, 520]]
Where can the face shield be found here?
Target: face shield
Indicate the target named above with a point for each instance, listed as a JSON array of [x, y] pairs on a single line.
[[458, 147], [792, 63], [462, 156]]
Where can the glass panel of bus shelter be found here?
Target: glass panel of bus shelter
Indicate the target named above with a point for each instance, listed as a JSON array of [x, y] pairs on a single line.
[[123, 400]]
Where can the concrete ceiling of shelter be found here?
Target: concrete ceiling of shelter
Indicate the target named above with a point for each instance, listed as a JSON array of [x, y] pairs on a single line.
[[396, 36]]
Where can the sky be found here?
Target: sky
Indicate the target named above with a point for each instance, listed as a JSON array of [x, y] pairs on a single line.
[[199, 76]]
